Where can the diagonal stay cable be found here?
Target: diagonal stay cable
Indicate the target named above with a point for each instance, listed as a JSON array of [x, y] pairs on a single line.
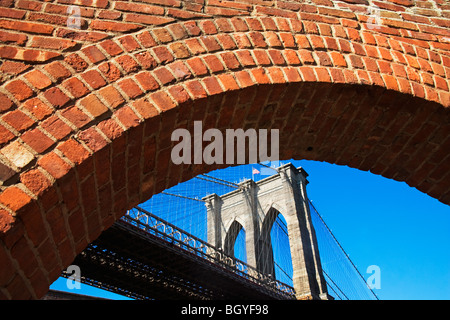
[[180, 196], [345, 253], [218, 181]]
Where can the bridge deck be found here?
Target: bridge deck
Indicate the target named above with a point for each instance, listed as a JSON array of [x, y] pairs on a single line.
[[128, 260]]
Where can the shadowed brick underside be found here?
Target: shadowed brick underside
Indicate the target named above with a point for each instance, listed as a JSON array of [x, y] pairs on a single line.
[[86, 115]]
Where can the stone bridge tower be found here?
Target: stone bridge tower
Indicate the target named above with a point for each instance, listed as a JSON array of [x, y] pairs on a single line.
[[254, 207]]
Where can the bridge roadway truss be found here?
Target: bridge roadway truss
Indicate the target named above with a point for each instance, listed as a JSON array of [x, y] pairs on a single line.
[[144, 257]]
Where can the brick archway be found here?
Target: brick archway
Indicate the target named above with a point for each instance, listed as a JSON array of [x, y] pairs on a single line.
[[87, 114]]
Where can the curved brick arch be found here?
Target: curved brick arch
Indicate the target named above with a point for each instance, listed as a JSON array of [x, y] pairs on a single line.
[[87, 114]]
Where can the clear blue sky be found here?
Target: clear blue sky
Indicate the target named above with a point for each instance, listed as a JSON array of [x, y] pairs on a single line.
[[378, 222]]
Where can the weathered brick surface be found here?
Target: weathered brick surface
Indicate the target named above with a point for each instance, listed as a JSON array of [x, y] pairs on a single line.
[[86, 113]]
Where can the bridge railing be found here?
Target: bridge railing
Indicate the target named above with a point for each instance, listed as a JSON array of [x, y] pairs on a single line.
[[154, 225]]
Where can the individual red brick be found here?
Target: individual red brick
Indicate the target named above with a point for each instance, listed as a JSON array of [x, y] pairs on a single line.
[[148, 19], [212, 85], [76, 62], [14, 198], [276, 75], [38, 79], [192, 28], [242, 41], [371, 64], [164, 75], [19, 90], [179, 50], [129, 43], [390, 81], [93, 105], [110, 128], [356, 61], [292, 74], [230, 60], [385, 54], [147, 81], [54, 165], [245, 58], [145, 108], [112, 96], [302, 41], [277, 57], [75, 87], [272, 39], [260, 76], [127, 117], [441, 83], [323, 75], [179, 94], [111, 47], [94, 54], [399, 70], [385, 67], [194, 46], [213, 63], [56, 127], [178, 31], [5, 103], [146, 60], [76, 117], [239, 24], [73, 151], [196, 89], [12, 13], [92, 139], [13, 67], [163, 55], [162, 101], [18, 120], [56, 97], [288, 40], [114, 26], [28, 55], [208, 27], [5, 135], [306, 57], [291, 57], [28, 27], [94, 79], [244, 79], [57, 70], [146, 39], [128, 64], [37, 140], [180, 71], [210, 43], [130, 88], [258, 39], [324, 59], [262, 58], [197, 66], [58, 44], [308, 74], [17, 154], [162, 35], [110, 71], [228, 81], [226, 41]]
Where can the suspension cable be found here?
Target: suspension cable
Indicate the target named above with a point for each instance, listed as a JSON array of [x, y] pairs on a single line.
[[180, 196], [345, 253]]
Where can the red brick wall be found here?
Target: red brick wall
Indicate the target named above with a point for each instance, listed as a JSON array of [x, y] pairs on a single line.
[[86, 114]]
